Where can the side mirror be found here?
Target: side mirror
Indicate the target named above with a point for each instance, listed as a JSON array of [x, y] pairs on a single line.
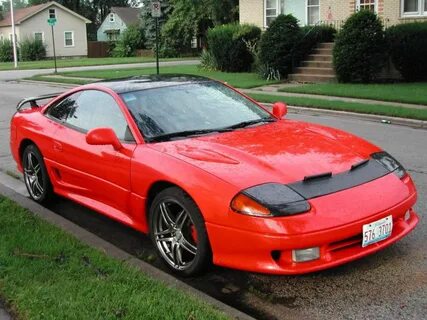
[[103, 136], [280, 109]]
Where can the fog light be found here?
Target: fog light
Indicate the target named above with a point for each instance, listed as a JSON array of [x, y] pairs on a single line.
[[306, 254], [407, 215]]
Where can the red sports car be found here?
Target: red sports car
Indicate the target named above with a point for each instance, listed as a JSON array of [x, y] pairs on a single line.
[[213, 176]]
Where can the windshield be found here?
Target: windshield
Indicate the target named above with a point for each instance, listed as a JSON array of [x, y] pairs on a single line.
[[192, 109]]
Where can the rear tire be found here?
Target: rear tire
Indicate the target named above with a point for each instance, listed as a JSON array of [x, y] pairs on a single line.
[[36, 177], [178, 232]]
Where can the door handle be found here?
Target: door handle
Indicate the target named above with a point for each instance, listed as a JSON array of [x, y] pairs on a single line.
[[57, 146]]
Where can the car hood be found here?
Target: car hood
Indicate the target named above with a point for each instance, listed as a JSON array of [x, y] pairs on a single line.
[[283, 152]]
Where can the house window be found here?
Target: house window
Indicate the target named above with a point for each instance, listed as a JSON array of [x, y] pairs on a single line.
[[69, 38], [414, 7], [272, 9], [370, 5], [313, 12], [39, 36], [52, 14], [112, 19]]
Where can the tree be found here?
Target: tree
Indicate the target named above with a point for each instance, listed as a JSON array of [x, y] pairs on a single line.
[[17, 4], [192, 18]]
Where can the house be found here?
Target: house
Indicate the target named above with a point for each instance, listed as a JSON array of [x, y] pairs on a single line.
[[31, 22], [116, 22], [312, 12]]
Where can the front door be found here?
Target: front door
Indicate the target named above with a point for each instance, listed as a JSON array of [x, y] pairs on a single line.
[[97, 176]]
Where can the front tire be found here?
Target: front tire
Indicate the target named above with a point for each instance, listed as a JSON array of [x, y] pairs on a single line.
[[178, 232], [36, 177]]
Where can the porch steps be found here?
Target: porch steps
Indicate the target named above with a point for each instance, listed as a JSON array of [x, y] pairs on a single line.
[[317, 67]]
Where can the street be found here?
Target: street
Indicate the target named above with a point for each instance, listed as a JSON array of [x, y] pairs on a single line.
[[391, 284]]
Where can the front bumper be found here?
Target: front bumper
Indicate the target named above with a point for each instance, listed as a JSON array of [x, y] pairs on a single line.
[[259, 252]]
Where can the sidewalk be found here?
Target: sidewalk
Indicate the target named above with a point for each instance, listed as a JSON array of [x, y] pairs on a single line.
[[3, 314], [20, 74], [273, 90]]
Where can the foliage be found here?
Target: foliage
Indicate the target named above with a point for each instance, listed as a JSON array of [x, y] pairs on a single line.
[[190, 18], [6, 51], [408, 49], [32, 50], [130, 40], [227, 43], [360, 48], [277, 43]]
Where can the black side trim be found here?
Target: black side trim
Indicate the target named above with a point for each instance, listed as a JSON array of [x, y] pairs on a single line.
[[367, 172]]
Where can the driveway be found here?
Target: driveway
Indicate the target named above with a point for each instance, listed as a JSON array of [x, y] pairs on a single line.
[[20, 74], [391, 284]]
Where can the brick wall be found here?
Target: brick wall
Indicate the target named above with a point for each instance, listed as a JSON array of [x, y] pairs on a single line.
[[252, 11]]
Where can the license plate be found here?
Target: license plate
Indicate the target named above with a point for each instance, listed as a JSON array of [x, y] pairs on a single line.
[[377, 231]]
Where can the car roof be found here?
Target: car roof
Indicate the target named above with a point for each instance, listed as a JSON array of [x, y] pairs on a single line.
[[151, 82]]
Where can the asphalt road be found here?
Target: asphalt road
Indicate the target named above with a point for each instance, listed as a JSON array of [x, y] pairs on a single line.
[[391, 284]]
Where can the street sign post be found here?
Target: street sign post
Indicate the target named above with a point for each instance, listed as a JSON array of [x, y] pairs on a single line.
[[52, 22], [156, 13]]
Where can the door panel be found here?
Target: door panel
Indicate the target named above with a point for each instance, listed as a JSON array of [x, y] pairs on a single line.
[[97, 176]]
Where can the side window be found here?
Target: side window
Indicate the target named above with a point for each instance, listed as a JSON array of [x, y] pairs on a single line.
[[62, 109], [94, 109]]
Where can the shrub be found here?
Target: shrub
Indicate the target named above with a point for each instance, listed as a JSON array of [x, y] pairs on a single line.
[[360, 48], [6, 51], [207, 61], [227, 44], [277, 43], [408, 49], [131, 40], [32, 50]]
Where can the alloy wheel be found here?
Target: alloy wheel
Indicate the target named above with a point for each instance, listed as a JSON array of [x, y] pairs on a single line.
[[175, 235], [33, 176]]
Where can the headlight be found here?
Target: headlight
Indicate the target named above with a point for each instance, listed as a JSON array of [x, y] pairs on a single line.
[[269, 200], [389, 163]]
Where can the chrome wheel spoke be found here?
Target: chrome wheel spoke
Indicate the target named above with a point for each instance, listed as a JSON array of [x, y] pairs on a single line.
[[188, 246], [177, 255], [168, 239], [180, 220], [164, 232], [166, 215], [38, 186]]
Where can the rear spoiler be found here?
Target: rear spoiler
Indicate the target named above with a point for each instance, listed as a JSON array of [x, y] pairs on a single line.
[[33, 100]]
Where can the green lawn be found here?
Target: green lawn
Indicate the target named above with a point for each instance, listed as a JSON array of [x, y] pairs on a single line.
[[78, 62], [240, 80], [415, 93], [420, 114], [48, 274]]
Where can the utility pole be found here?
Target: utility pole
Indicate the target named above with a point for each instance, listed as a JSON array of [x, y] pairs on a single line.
[[15, 54], [156, 13]]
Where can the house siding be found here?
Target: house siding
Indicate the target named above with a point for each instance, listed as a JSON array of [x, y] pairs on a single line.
[[252, 11], [118, 24], [65, 22]]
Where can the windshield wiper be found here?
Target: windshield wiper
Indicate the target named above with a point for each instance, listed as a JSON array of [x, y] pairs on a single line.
[[250, 122], [188, 133]]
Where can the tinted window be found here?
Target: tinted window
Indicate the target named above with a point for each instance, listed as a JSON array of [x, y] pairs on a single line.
[[91, 109], [61, 110], [198, 106]]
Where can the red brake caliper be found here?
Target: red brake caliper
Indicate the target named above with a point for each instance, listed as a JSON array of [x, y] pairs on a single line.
[[194, 233]]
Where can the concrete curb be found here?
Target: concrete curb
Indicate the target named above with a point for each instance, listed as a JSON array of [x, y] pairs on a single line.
[[413, 123], [48, 83], [111, 250]]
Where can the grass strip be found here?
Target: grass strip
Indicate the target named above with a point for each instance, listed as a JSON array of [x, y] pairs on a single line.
[[81, 62], [402, 112], [243, 80], [46, 273], [415, 93]]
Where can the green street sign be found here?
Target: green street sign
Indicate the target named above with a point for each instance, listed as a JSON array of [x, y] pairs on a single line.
[[51, 21]]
